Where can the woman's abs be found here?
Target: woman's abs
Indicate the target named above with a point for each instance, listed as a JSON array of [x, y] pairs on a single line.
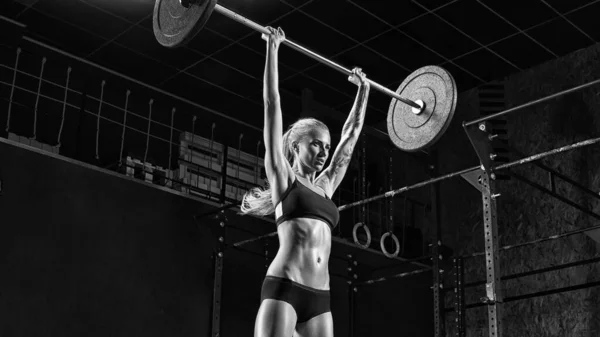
[[303, 255]]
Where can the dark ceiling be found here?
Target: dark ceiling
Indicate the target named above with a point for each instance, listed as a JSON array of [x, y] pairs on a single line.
[[477, 41]]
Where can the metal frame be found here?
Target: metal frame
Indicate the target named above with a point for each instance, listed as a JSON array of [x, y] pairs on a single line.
[[493, 286], [352, 291], [459, 297], [537, 294], [482, 138], [523, 274], [436, 255], [218, 257]]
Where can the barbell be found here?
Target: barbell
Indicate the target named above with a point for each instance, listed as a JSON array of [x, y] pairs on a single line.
[[421, 108]]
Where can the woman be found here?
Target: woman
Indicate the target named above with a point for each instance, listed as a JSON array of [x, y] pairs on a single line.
[[295, 293]]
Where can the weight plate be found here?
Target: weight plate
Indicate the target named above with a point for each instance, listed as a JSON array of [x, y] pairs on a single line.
[[175, 24], [434, 86]]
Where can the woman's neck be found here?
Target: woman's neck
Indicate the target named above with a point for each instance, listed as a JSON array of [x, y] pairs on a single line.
[[305, 173]]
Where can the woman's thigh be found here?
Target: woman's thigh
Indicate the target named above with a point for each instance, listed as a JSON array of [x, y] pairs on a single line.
[[274, 319], [318, 326]]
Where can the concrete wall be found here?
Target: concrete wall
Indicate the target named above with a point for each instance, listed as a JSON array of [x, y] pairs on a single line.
[[527, 214]]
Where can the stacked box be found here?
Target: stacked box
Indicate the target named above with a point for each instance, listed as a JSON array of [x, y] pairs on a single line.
[[194, 181], [201, 163], [147, 172], [33, 142]]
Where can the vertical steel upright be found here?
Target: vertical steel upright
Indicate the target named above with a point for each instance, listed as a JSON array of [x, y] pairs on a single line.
[[493, 286], [436, 253], [352, 290], [459, 297], [482, 139], [218, 273], [224, 163]]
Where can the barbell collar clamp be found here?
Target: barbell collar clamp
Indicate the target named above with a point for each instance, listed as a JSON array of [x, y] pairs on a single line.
[[421, 104]]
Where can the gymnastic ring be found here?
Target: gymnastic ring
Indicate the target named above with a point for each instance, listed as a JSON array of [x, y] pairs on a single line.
[[385, 252], [356, 227]]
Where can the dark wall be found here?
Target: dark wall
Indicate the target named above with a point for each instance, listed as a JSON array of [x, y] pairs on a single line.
[[396, 308], [89, 252]]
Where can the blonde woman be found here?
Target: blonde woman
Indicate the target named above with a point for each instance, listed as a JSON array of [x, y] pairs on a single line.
[[295, 296]]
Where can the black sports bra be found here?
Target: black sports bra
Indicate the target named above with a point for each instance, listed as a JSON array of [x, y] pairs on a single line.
[[299, 201]]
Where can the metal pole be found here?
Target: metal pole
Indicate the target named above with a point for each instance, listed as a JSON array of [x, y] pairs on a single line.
[[224, 163], [539, 294], [352, 264], [452, 175], [387, 278], [216, 308], [258, 238], [537, 271], [493, 286], [253, 25], [436, 257], [266, 253], [548, 153], [12, 90], [408, 188], [218, 274], [459, 297], [343, 242], [549, 238], [37, 98], [552, 291], [541, 100], [416, 259]]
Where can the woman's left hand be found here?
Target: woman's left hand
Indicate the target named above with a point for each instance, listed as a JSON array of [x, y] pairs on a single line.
[[359, 78]]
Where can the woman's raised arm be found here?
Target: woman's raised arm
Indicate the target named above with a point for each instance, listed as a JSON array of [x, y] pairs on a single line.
[[333, 175], [276, 166]]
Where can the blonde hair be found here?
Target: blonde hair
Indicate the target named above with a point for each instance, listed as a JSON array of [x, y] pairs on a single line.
[[258, 201]]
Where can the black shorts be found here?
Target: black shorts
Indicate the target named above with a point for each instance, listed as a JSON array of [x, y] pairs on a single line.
[[306, 301]]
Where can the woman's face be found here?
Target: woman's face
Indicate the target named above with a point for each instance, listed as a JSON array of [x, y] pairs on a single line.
[[312, 150]]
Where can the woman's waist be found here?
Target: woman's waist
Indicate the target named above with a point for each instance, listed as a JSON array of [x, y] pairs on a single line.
[[306, 260], [302, 268]]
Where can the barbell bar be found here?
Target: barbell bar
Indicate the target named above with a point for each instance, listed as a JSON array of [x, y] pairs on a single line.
[[428, 95], [253, 25]]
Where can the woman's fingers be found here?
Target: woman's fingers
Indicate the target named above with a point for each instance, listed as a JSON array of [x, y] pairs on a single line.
[[358, 77], [272, 32], [275, 35]]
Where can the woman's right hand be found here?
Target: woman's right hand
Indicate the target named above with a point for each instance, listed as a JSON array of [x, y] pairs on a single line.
[[359, 78], [275, 36]]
